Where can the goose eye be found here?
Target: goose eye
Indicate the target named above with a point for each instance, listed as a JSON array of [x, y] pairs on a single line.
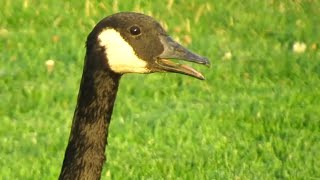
[[135, 30]]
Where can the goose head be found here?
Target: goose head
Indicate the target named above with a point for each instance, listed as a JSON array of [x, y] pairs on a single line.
[[136, 43]]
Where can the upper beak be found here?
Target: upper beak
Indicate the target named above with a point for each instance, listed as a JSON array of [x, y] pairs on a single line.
[[173, 50]]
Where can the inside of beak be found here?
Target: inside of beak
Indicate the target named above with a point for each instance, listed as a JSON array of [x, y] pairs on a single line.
[[170, 66], [173, 50]]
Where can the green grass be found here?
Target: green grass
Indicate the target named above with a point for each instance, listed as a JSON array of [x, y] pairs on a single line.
[[256, 116]]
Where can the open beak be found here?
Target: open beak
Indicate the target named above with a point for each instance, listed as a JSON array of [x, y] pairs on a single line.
[[173, 50]]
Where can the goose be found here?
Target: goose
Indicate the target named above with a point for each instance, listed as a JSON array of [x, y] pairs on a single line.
[[121, 43]]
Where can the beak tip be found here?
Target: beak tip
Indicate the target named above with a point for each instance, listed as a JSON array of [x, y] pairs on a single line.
[[201, 77], [207, 62]]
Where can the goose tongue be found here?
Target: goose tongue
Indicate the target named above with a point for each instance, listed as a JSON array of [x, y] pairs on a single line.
[[173, 50]]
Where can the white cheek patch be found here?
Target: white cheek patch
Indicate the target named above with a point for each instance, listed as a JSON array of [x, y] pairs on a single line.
[[121, 56]]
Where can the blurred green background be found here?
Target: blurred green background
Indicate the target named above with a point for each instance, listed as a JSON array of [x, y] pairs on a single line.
[[256, 116]]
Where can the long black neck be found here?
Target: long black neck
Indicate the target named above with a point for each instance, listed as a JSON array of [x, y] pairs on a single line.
[[85, 153]]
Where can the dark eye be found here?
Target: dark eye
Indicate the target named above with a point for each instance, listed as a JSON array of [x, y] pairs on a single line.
[[135, 30]]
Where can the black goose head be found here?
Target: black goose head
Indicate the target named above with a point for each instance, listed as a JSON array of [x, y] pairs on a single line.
[[136, 43]]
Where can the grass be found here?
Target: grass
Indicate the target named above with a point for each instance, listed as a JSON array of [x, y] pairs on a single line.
[[256, 116]]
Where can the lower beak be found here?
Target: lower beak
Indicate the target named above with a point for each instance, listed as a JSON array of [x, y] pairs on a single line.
[[173, 50]]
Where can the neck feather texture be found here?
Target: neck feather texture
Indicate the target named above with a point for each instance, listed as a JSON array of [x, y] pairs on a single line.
[[85, 153]]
